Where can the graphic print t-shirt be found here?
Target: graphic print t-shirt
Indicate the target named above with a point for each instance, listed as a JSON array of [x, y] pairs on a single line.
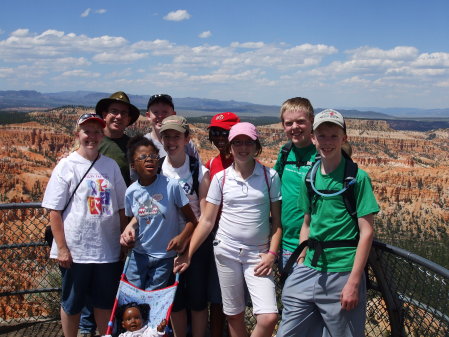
[[91, 220]]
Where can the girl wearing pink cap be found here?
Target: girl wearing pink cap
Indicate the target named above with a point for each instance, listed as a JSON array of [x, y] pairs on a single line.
[[246, 243]]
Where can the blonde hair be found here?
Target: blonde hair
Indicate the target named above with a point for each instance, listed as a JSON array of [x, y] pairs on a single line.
[[297, 103], [76, 143]]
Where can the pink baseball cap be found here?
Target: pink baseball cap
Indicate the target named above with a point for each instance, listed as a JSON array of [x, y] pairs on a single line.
[[243, 128]]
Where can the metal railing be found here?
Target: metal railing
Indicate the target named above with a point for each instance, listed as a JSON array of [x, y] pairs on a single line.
[[407, 294]]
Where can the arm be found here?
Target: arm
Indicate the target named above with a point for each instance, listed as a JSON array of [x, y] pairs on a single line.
[[123, 219], [180, 242], [202, 193], [128, 237], [265, 266], [57, 227], [200, 234], [304, 235], [349, 296]]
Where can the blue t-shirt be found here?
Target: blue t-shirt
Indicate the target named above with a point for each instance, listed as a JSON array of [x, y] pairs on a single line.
[[156, 208]]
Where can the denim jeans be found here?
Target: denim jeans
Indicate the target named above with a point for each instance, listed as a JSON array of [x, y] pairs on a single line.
[[149, 273]]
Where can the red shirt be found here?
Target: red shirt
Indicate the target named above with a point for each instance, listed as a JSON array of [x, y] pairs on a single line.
[[218, 163]]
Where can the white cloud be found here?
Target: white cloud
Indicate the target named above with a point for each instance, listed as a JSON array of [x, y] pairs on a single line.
[[120, 57], [86, 13], [4, 72], [89, 11], [205, 35], [241, 70], [80, 73], [249, 45], [179, 15]]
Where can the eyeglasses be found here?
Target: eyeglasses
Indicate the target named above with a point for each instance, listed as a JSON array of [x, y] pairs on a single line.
[[116, 112], [218, 133], [150, 157], [243, 142]]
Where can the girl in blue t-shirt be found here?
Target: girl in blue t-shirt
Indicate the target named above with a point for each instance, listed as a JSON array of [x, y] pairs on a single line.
[[154, 202]]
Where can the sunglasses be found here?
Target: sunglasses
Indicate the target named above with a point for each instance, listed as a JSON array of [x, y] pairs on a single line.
[[160, 96], [218, 133], [85, 117], [150, 157], [243, 142]]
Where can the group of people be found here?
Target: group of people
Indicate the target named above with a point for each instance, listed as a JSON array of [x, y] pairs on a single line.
[[223, 225]]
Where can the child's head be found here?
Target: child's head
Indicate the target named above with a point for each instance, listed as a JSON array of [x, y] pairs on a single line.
[[132, 316], [244, 138], [143, 156], [159, 107], [175, 135], [219, 128], [297, 118], [329, 133], [89, 130]]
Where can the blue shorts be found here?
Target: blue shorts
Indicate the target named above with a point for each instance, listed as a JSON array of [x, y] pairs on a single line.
[[98, 281], [149, 273], [192, 288]]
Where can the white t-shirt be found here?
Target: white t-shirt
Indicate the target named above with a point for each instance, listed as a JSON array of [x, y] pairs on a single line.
[[91, 220], [185, 180], [246, 204], [146, 331]]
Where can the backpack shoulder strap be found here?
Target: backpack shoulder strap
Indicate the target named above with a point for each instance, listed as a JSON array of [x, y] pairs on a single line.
[[349, 199], [194, 167], [285, 150], [267, 178]]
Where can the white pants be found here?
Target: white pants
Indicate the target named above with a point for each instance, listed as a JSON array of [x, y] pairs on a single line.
[[235, 266]]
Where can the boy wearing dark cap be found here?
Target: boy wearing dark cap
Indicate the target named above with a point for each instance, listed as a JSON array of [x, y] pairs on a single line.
[[159, 107], [326, 292]]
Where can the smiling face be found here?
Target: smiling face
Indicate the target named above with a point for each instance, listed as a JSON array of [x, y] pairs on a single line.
[[219, 137], [146, 163], [157, 113], [174, 142], [132, 319], [243, 148], [328, 139], [117, 119], [90, 135], [298, 127]]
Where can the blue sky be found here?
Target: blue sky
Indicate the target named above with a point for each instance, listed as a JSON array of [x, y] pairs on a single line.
[[336, 53]]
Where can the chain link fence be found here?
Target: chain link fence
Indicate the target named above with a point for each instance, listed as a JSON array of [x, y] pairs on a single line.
[[407, 295], [29, 281]]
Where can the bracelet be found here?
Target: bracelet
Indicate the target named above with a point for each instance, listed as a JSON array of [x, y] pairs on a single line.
[[271, 252]]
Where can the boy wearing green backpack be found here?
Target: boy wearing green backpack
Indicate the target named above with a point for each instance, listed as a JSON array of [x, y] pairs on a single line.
[[326, 292]]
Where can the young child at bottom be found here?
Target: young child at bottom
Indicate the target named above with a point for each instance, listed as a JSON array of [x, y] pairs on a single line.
[[154, 202], [133, 317], [328, 298]]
